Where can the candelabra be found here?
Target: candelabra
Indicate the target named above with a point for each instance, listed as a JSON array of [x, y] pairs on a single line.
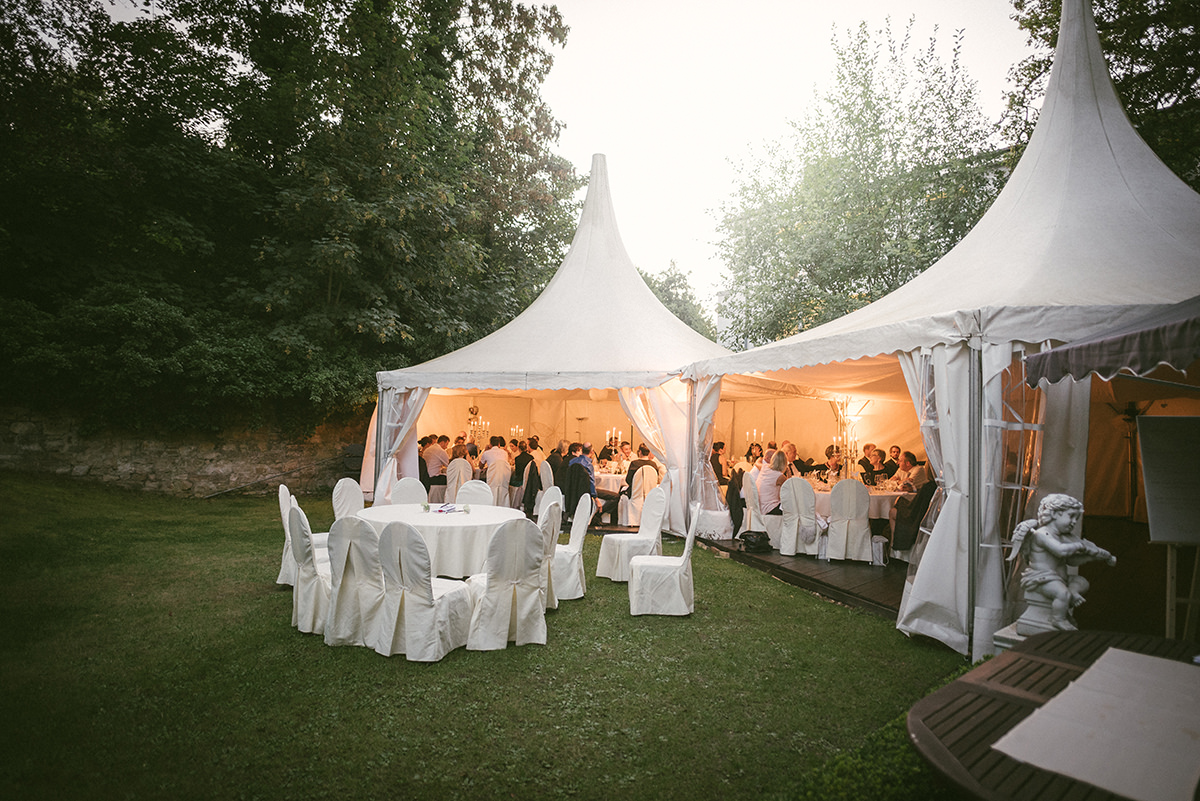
[[478, 429]]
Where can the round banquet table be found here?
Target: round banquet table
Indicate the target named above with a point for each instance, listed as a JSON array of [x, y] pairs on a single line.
[[457, 541], [610, 481], [881, 503]]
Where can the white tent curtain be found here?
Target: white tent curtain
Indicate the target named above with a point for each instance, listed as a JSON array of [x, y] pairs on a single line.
[[396, 436], [661, 416]]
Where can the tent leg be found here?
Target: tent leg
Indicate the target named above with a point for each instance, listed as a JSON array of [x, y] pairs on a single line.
[[974, 488]]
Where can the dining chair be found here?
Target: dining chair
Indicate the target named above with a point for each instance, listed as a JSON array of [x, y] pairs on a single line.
[[356, 583], [410, 490], [629, 508], [498, 474], [554, 494], [310, 593], [849, 530], [799, 528], [424, 617], [546, 477], [662, 585], [550, 524], [458, 472], [347, 498], [568, 577], [476, 492], [772, 525], [287, 564], [617, 549], [507, 597]]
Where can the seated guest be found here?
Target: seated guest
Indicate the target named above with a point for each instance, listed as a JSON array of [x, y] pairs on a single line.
[[876, 473], [436, 458], [865, 461], [754, 453], [535, 450], [789, 453], [770, 478], [833, 461], [718, 464], [606, 500], [644, 459], [495, 453], [609, 451], [893, 461], [912, 476], [558, 460], [626, 454], [524, 457]]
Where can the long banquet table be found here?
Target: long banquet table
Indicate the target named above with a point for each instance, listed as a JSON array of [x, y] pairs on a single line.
[[881, 503], [457, 541]]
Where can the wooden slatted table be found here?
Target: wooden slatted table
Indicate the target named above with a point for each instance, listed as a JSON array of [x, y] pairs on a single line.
[[954, 727]]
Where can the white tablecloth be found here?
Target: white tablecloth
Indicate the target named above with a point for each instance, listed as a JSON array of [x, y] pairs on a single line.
[[881, 503], [610, 481], [457, 541]]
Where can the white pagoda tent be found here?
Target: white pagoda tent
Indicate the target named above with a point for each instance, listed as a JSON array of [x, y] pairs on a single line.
[[558, 352], [1091, 232]]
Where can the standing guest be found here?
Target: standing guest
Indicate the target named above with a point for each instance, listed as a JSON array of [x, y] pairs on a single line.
[[912, 476], [718, 463], [770, 478], [893, 462], [865, 461], [436, 458]]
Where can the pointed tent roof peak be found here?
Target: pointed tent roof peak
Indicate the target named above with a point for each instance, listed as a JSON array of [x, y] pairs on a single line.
[[563, 340]]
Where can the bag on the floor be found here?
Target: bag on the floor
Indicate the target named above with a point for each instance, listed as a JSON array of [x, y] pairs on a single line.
[[755, 542]]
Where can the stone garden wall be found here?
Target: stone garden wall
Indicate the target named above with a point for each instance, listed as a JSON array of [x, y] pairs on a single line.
[[249, 461]]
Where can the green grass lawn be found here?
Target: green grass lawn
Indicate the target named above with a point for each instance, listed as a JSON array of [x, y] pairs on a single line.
[[149, 654]]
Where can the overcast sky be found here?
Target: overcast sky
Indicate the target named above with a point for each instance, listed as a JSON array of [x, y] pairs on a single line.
[[673, 91]]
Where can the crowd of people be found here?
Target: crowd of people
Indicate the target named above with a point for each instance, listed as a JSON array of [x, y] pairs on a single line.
[[437, 452], [769, 468]]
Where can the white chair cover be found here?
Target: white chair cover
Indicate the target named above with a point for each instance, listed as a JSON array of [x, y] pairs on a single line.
[[849, 530], [498, 474], [617, 549], [553, 495], [320, 544], [756, 520], [662, 585], [409, 490], [508, 597], [799, 529], [476, 492], [287, 565], [347, 498], [546, 474], [629, 508], [458, 472], [550, 524], [356, 583], [310, 593], [423, 617], [567, 575]]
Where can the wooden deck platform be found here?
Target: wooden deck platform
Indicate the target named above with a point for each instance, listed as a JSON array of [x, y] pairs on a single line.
[[874, 589]]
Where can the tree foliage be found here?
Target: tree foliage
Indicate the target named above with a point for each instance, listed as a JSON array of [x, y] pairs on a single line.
[[1153, 52], [890, 169], [211, 208], [674, 290]]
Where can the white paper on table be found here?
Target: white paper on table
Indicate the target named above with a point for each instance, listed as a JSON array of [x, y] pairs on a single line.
[[1130, 724]]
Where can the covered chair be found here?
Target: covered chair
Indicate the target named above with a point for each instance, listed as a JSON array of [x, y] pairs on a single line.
[[508, 596], [567, 574], [476, 492], [356, 583], [799, 530], [907, 516], [756, 520], [849, 531], [423, 617], [617, 549], [347, 498], [310, 592], [531, 490], [545, 478], [629, 508], [410, 490], [287, 565], [498, 474], [575, 483], [550, 524], [662, 585], [458, 472]]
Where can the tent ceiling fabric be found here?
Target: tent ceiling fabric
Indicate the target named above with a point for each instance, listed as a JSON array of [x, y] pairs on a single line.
[[540, 348], [1090, 230], [1169, 335]]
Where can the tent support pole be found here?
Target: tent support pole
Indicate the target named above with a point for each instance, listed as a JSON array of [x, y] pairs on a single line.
[[974, 484], [690, 475], [379, 449]]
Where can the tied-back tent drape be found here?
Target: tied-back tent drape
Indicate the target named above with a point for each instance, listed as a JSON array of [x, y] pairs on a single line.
[[560, 350], [1091, 232]]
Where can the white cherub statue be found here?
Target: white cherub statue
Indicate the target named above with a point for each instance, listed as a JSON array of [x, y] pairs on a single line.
[[1050, 545]]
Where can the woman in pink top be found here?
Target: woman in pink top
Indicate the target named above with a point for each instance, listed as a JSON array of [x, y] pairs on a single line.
[[770, 478]]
